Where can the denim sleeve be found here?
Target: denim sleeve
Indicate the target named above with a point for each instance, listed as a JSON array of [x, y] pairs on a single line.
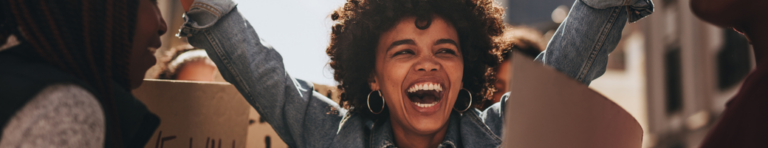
[[592, 30], [301, 117]]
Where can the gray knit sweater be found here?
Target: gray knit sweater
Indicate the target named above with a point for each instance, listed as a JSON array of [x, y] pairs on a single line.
[[61, 115]]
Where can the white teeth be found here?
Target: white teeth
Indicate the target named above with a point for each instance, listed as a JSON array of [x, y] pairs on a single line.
[[425, 105], [426, 86]]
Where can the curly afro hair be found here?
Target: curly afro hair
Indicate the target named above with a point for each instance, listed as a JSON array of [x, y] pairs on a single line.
[[360, 23]]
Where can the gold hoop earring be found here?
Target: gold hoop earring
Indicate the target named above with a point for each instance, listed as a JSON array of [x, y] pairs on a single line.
[[469, 104], [383, 103]]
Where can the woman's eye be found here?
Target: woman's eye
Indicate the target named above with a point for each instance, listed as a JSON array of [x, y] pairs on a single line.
[[404, 52], [448, 51]]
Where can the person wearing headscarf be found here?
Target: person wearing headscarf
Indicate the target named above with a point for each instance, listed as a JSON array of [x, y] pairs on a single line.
[[67, 68]]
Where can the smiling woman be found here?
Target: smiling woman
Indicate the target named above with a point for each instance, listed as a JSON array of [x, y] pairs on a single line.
[[419, 57]]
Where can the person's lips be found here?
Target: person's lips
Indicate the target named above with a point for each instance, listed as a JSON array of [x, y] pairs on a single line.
[[154, 45]]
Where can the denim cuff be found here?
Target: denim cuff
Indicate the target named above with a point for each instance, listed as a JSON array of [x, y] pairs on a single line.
[[203, 14], [636, 9]]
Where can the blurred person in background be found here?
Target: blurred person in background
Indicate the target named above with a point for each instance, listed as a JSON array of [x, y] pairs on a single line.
[[408, 69], [515, 38], [68, 69], [188, 63], [743, 123]]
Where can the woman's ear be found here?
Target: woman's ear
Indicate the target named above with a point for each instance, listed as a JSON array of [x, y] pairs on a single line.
[[373, 82]]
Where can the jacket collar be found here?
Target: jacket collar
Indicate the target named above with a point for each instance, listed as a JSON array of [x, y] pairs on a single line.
[[465, 130]]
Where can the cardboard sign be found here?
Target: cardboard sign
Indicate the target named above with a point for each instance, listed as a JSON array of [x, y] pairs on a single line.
[[202, 115], [548, 109], [261, 134]]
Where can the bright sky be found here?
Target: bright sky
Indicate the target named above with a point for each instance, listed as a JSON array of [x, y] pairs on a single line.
[[299, 30]]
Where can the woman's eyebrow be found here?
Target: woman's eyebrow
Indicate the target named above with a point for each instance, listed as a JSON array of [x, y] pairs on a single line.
[[446, 41], [401, 42]]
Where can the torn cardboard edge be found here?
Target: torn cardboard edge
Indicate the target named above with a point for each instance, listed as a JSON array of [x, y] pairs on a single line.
[[549, 109]]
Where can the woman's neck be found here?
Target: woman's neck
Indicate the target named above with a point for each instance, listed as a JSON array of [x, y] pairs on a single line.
[[411, 139]]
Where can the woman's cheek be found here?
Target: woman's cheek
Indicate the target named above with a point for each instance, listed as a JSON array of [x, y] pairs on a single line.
[[455, 69]]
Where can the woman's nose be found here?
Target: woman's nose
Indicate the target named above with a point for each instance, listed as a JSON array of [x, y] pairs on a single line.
[[427, 64], [163, 28]]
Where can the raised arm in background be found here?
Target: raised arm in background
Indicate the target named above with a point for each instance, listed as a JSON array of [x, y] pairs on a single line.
[[299, 116]]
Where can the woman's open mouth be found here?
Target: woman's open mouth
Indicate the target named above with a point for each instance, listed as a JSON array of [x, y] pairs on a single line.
[[425, 96]]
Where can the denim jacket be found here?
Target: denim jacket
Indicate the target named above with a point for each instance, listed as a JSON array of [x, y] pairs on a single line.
[[304, 118]]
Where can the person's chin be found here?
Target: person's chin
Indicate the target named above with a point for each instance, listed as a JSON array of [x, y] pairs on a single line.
[[428, 125], [429, 120], [136, 79]]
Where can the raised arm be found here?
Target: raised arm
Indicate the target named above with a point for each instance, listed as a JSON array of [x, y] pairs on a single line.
[[580, 46], [299, 116]]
